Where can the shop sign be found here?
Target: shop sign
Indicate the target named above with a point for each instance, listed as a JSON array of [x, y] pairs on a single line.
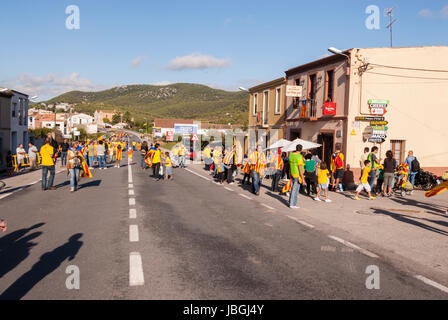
[[380, 128], [379, 123], [375, 139], [170, 136], [373, 103], [294, 91], [369, 118], [329, 108], [378, 111]]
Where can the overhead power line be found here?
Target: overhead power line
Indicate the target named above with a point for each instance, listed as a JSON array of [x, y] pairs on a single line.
[[404, 68]]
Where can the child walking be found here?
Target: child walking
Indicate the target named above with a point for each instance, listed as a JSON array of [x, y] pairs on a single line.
[[168, 166], [310, 174], [322, 180], [364, 181]]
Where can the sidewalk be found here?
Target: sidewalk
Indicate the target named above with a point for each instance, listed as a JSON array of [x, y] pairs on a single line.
[[24, 180], [410, 232]]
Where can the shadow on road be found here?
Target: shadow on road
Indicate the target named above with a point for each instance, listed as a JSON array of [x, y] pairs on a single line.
[[15, 247], [6, 190], [420, 204], [47, 263], [94, 183]]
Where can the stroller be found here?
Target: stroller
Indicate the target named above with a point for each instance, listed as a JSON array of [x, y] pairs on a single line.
[[402, 185]]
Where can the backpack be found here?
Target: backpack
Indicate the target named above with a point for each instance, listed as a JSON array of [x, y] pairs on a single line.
[[338, 161], [415, 165]]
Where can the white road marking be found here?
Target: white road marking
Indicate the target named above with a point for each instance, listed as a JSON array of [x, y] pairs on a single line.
[[306, 224], [136, 270], [132, 213], [132, 201], [269, 225], [354, 246], [131, 192], [130, 186], [5, 195], [244, 196], [199, 175], [133, 233], [129, 173], [266, 206], [227, 188], [432, 283]]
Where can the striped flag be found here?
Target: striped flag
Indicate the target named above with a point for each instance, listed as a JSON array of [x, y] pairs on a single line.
[[287, 187], [437, 189], [85, 171], [148, 158]]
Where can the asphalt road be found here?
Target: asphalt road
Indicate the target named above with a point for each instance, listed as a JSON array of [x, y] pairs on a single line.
[[196, 240]]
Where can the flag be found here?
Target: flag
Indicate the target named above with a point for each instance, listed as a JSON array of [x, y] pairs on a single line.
[[246, 168], [228, 157], [85, 171], [287, 187], [148, 158], [437, 189]]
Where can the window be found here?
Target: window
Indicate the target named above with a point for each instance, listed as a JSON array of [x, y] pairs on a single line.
[[312, 88], [329, 86], [265, 107], [278, 100], [14, 110], [398, 149], [296, 101], [255, 102]]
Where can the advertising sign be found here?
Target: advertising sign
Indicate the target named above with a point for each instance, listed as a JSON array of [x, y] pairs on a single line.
[[378, 107], [378, 111], [186, 128], [329, 108], [369, 118], [170, 136], [294, 91]]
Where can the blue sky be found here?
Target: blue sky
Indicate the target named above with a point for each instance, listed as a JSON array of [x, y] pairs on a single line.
[[224, 44]]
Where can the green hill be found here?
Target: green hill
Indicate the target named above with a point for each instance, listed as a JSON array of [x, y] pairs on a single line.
[[180, 100]]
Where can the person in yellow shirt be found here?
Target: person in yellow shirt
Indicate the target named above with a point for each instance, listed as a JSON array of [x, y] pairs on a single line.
[[168, 166], [296, 167], [257, 160], [322, 181], [47, 153], [277, 164], [208, 157], [156, 158], [182, 152], [364, 181]]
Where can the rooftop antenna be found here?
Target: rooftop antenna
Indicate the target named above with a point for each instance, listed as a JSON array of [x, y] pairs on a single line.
[[390, 14]]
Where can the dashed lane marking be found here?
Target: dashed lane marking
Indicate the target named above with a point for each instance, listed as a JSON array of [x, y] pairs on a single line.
[[132, 201], [432, 283], [266, 206], [131, 192], [136, 277], [227, 188], [301, 222], [244, 196], [132, 213], [133, 233], [354, 246], [269, 225], [130, 186], [197, 174]]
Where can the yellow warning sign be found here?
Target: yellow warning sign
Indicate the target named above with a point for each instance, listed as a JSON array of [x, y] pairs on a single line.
[[353, 132]]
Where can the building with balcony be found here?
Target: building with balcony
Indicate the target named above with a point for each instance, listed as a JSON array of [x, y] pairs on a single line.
[[267, 112], [394, 98]]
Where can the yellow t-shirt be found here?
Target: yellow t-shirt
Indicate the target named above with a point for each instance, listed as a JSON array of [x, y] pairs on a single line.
[[176, 151], [168, 162], [365, 174], [207, 152], [156, 157], [322, 176], [47, 153]]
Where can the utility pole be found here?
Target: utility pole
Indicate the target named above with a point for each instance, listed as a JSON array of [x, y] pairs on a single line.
[[390, 14]]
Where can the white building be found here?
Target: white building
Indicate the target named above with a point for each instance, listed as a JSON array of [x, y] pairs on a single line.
[[78, 120], [13, 122]]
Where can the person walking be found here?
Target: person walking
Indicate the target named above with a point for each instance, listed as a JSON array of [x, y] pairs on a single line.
[[296, 164], [182, 151], [64, 150], [310, 175], [91, 154], [389, 169], [101, 154], [414, 167], [119, 154], [364, 181], [143, 151], [156, 159], [322, 179], [278, 165], [374, 163], [32, 156], [337, 167], [230, 163], [74, 167], [257, 160], [168, 166], [47, 154]]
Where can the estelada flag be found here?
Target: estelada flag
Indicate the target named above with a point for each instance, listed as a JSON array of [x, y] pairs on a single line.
[[119, 152], [130, 153], [85, 171], [287, 187], [148, 158], [246, 168], [437, 189]]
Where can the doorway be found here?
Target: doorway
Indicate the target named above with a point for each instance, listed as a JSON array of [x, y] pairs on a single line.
[[294, 134], [326, 150]]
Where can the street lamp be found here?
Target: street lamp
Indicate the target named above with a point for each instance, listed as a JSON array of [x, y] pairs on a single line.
[[337, 51]]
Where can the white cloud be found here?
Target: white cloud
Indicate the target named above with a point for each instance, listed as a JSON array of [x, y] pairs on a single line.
[[427, 13], [136, 62], [51, 85], [197, 61], [162, 83]]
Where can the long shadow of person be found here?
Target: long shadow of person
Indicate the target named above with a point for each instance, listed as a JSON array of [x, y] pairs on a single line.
[[47, 263], [14, 248]]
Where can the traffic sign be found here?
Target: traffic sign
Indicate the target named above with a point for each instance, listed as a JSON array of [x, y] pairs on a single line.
[[195, 137]]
